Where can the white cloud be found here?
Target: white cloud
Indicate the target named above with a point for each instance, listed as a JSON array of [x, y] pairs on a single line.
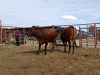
[[69, 17], [48, 12]]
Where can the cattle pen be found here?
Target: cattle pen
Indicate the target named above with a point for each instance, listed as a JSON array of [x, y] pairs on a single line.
[[7, 35], [88, 35]]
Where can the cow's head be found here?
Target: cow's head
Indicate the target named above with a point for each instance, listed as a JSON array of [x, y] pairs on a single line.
[[62, 30], [33, 31]]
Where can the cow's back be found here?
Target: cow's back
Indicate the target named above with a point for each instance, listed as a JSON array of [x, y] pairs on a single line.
[[51, 34], [72, 32], [68, 33], [48, 34]]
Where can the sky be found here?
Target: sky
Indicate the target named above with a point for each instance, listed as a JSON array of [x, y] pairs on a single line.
[[26, 13]]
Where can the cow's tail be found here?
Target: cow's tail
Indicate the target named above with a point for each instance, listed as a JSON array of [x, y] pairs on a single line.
[[72, 31], [74, 35]]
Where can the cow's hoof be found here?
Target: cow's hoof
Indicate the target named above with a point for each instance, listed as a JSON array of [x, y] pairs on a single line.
[[37, 53], [45, 54], [68, 52], [51, 51], [64, 51]]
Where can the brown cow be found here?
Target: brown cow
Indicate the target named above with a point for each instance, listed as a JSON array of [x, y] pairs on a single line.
[[44, 35], [68, 35]]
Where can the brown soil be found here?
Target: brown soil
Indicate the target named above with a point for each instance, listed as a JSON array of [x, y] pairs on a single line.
[[23, 60]]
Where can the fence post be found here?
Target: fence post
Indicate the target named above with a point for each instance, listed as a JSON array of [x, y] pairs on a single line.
[[0, 33], [95, 36], [23, 36], [80, 38]]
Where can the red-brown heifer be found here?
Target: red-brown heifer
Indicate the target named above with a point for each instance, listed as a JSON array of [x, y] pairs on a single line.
[[44, 36], [68, 35]]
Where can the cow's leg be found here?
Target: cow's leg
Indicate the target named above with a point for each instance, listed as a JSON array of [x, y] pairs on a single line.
[[71, 43], [69, 46], [53, 45], [45, 48], [64, 43], [73, 46], [39, 49]]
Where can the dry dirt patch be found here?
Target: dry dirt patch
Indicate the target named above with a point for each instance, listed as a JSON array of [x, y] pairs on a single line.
[[23, 60]]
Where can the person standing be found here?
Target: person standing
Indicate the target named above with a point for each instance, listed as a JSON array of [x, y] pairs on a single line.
[[17, 37]]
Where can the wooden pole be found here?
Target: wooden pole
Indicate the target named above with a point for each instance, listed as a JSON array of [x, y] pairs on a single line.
[[0, 33], [9, 36], [23, 36], [95, 36], [80, 38], [87, 36]]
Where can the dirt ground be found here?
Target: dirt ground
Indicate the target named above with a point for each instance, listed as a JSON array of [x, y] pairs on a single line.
[[23, 60]]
